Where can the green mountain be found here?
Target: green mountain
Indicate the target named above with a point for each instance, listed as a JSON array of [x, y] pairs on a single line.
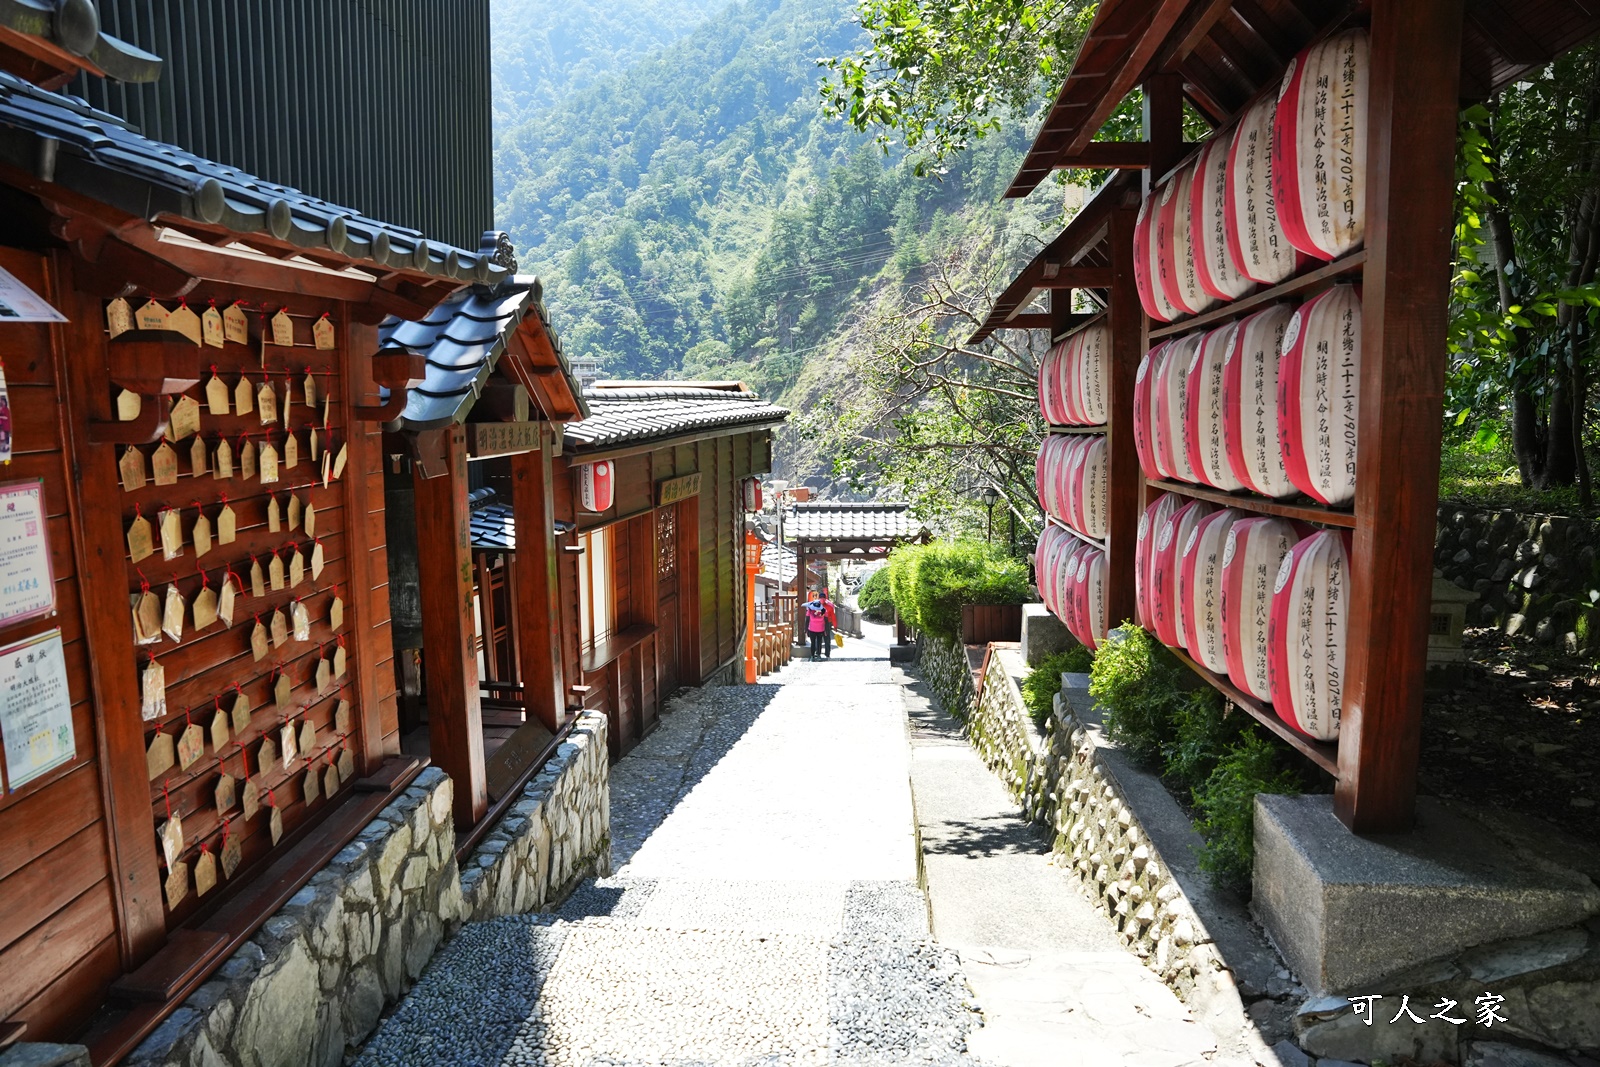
[[694, 215], [542, 50]]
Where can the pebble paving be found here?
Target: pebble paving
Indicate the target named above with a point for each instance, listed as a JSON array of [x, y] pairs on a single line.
[[764, 911]]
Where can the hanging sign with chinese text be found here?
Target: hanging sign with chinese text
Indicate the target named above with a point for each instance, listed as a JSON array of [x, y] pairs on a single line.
[[27, 584], [675, 489]]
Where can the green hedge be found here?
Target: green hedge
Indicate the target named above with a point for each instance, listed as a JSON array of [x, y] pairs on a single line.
[[1040, 686], [929, 583], [1159, 711], [874, 599]]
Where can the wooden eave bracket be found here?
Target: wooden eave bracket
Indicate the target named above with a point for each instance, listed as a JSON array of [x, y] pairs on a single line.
[[398, 372]]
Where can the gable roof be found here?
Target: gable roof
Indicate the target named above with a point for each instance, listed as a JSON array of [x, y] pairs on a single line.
[[633, 412], [463, 339], [64, 142], [834, 521]]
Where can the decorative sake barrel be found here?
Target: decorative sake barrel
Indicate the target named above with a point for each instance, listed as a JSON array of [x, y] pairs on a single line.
[[1071, 400], [1254, 551], [1053, 543], [1310, 603], [1250, 402], [1051, 406], [1254, 233], [1200, 588], [1165, 607], [1151, 523], [1319, 395], [1319, 147], [1093, 370], [1178, 277], [1066, 570], [1144, 262], [1219, 273], [1204, 437], [1089, 588], [1144, 410], [1169, 397]]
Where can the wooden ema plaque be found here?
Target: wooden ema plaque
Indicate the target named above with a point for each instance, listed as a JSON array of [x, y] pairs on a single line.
[[203, 534]]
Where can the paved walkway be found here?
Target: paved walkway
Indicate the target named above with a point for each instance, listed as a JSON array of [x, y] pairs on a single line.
[[766, 910]]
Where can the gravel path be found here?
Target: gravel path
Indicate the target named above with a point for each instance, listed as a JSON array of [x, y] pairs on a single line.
[[765, 909]]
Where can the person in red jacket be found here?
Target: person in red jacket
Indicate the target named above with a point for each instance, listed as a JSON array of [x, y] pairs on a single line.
[[830, 620]]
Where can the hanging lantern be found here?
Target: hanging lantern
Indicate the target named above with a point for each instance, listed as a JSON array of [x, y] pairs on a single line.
[[1151, 524], [1204, 440], [1200, 588], [1319, 395], [1310, 603], [1319, 147], [1216, 268], [1254, 550], [1250, 402], [1175, 247], [1165, 608], [1255, 236], [752, 494], [595, 490]]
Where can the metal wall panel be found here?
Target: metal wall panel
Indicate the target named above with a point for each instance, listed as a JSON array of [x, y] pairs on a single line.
[[379, 105]]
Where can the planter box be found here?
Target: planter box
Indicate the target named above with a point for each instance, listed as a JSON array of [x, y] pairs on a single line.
[[982, 623]]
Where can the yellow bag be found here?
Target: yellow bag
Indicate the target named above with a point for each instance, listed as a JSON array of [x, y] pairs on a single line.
[[838, 638]]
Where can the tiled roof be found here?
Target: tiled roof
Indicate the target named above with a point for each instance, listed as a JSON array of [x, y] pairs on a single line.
[[778, 563], [644, 411], [830, 521], [493, 527], [463, 338], [65, 141], [75, 27]]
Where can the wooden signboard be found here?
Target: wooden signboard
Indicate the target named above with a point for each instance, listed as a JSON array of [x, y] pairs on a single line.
[[675, 489], [502, 438], [27, 583]]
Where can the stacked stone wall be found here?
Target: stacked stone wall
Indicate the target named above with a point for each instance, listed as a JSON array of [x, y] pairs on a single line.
[[314, 981], [1058, 780], [1534, 574], [944, 666]]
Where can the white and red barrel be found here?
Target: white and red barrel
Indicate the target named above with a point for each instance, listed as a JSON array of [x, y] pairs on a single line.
[[1254, 550], [1310, 609], [1319, 395], [1319, 147]]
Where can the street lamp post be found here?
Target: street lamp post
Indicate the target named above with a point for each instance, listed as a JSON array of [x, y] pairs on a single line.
[[990, 495]]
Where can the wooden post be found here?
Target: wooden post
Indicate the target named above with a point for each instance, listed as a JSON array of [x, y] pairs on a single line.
[[1163, 125], [455, 717], [1126, 480], [1411, 151], [801, 594], [537, 594]]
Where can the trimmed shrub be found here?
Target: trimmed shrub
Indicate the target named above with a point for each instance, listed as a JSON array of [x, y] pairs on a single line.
[[874, 599], [1140, 686], [1040, 686], [1225, 805], [929, 583]]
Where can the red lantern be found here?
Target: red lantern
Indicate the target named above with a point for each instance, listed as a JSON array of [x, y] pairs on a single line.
[[1169, 403], [1214, 262], [1307, 634], [752, 494], [1151, 523], [595, 485], [1319, 147], [1174, 247], [1165, 608], [1203, 429], [1145, 258]]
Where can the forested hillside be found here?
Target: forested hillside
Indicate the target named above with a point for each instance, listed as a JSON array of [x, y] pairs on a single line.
[[697, 215], [541, 51]]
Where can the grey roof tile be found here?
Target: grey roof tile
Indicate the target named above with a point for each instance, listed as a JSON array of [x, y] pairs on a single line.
[[101, 157], [462, 339], [830, 521], [643, 412]]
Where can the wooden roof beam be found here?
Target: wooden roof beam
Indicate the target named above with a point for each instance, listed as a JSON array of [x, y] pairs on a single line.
[[1131, 72]]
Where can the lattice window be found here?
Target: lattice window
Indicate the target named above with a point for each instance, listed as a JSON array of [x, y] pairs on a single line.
[[666, 543]]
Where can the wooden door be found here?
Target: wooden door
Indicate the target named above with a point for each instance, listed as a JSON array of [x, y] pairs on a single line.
[[669, 633]]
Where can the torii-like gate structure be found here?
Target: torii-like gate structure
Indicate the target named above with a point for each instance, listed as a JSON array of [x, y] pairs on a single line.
[[830, 530]]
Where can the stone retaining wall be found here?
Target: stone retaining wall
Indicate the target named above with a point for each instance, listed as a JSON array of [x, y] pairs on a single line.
[[314, 981], [1534, 574], [944, 666]]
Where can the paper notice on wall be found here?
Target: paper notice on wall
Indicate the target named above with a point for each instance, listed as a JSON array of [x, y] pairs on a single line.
[[27, 584], [18, 303], [35, 708]]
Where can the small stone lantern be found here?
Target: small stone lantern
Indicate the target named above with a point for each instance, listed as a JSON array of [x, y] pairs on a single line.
[[1446, 621]]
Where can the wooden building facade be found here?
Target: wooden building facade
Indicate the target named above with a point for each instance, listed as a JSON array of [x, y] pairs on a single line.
[[200, 703], [650, 587]]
